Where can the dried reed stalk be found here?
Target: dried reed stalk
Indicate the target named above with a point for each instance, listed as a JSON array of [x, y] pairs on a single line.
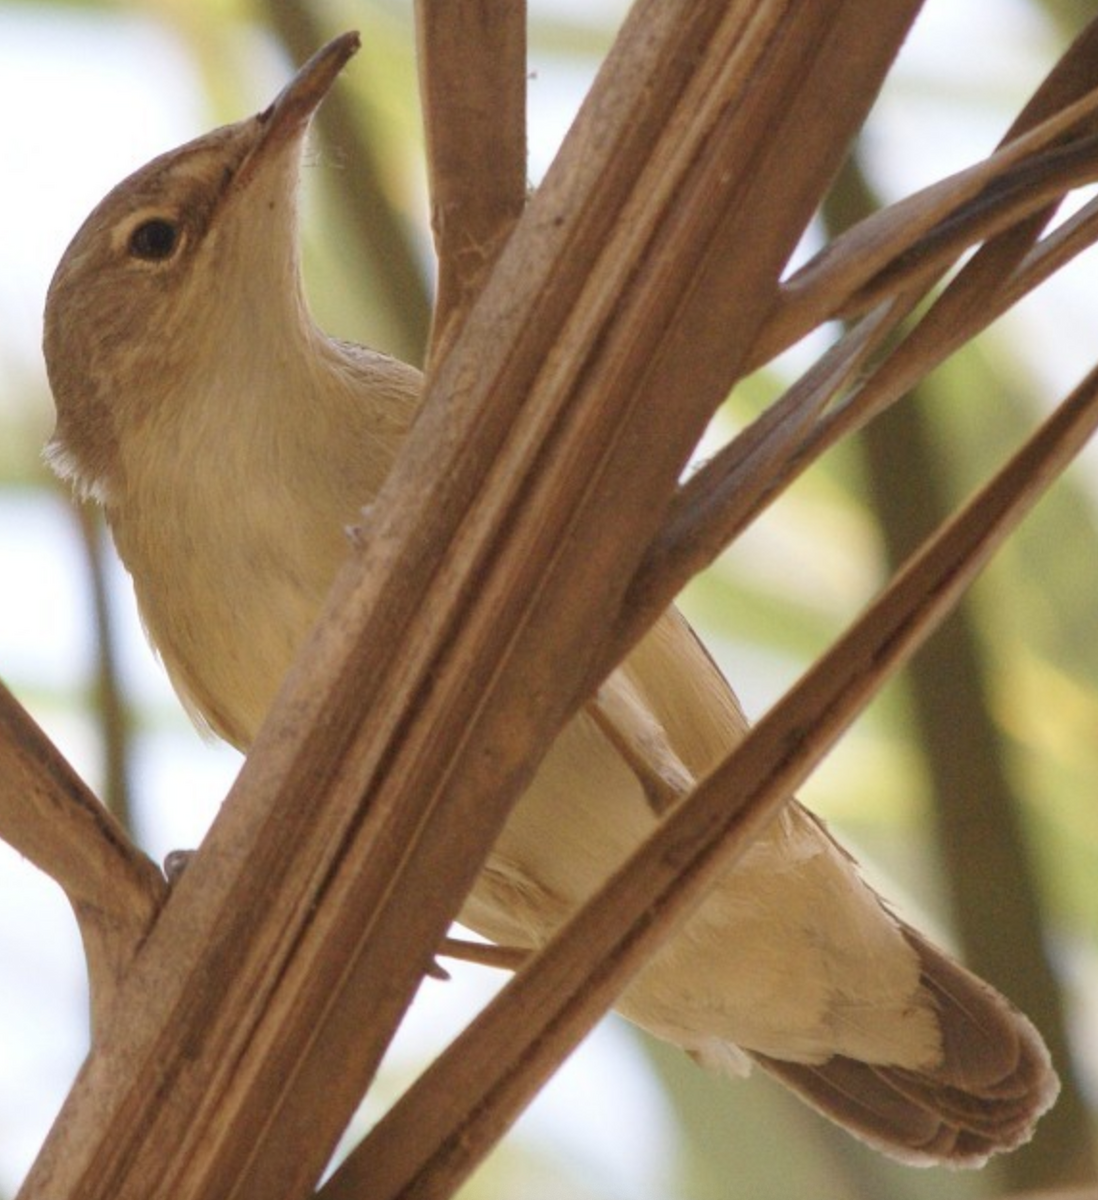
[[890, 261], [442, 1128], [50, 816], [472, 72]]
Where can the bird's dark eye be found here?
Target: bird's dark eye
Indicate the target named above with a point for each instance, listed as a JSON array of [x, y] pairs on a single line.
[[154, 240]]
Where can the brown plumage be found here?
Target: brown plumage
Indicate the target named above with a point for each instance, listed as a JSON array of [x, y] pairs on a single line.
[[994, 1074]]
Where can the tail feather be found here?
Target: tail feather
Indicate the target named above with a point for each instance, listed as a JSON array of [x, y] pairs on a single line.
[[993, 1081]]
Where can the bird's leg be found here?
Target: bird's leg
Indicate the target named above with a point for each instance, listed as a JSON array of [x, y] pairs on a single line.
[[486, 954]]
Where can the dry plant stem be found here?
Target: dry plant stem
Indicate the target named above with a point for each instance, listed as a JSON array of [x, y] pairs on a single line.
[[907, 244], [726, 494], [472, 72], [110, 706], [984, 289], [472, 62], [730, 490], [1072, 80], [462, 635], [1031, 189], [646, 750], [910, 243], [1074, 235], [468, 1098], [737, 484], [49, 816]]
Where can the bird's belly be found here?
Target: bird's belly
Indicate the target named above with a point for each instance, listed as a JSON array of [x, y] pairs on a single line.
[[580, 818], [225, 625], [789, 954]]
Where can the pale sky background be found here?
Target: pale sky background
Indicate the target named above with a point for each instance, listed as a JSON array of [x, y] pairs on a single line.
[[85, 99]]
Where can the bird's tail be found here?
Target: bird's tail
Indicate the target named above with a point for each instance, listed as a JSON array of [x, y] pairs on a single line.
[[994, 1081]]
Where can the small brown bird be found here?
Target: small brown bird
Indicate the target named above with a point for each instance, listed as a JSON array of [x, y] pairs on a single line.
[[231, 442]]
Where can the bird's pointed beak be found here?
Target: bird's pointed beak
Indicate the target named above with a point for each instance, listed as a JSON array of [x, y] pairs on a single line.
[[286, 119]]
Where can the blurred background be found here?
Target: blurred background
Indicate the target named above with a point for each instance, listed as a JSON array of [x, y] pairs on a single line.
[[969, 788]]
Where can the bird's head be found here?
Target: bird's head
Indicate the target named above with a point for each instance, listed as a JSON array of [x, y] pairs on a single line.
[[184, 273]]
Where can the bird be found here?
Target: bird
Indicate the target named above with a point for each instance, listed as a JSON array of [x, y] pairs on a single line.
[[231, 444]]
